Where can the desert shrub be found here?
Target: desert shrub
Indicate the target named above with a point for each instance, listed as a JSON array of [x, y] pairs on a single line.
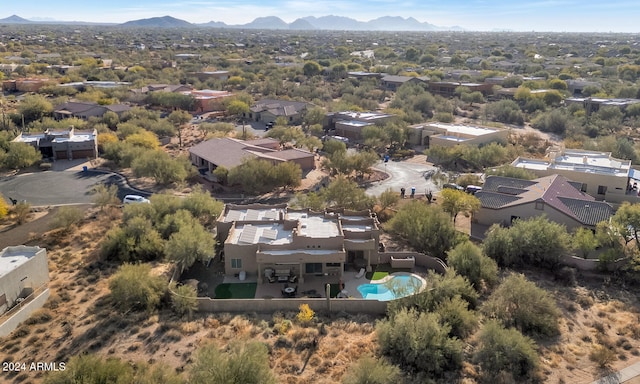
[[534, 241], [456, 313], [369, 370], [427, 228], [184, 300], [305, 314], [519, 303], [469, 261], [439, 289], [67, 217], [246, 363], [602, 356], [505, 350], [134, 287], [21, 212], [420, 342]]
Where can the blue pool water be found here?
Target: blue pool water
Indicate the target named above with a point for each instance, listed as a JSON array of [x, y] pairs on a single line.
[[394, 288]]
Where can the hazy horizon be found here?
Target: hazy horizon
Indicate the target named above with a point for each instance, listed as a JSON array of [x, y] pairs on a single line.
[[478, 15]]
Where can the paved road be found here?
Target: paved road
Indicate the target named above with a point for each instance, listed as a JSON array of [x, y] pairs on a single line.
[[403, 174], [60, 188]]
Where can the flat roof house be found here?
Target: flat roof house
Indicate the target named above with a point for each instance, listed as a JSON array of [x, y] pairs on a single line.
[[24, 273], [262, 238], [601, 176], [448, 88], [350, 124], [449, 135], [505, 199], [63, 145], [593, 104]]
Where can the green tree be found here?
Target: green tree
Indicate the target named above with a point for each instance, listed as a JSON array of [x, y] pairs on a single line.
[[344, 193], [472, 97], [311, 68], [134, 287], [184, 300], [257, 176], [388, 199], [66, 218], [161, 167], [505, 351], [239, 109], [188, 245], [534, 241], [585, 241], [519, 303], [469, 261], [510, 171], [105, 195], [426, 227], [420, 342], [628, 216], [136, 240], [21, 155], [246, 363], [143, 139], [454, 202], [371, 370], [179, 119], [34, 107], [203, 206]]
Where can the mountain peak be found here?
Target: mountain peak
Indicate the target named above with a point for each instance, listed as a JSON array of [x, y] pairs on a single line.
[[14, 19]]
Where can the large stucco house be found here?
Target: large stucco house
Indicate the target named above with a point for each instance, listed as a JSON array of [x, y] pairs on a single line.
[[261, 238], [505, 199], [601, 175]]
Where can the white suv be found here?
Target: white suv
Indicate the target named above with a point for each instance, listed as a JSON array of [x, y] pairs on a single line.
[[135, 199]]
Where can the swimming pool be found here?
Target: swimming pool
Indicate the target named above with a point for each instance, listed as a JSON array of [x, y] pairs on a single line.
[[392, 287]]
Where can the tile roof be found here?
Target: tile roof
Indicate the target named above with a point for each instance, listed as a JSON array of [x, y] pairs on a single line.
[[555, 190], [279, 107]]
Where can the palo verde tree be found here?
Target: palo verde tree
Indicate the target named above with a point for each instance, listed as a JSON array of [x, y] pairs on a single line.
[[455, 202]]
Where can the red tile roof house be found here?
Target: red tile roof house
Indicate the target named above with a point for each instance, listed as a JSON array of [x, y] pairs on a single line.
[[504, 199], [229, 153]]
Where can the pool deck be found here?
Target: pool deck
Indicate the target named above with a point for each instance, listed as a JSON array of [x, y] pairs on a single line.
[[317, 283]]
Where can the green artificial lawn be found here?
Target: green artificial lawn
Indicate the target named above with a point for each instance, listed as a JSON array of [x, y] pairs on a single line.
[[379, 275], [236, 291]]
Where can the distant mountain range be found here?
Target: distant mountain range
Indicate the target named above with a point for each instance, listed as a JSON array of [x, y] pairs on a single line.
[[332, 23]]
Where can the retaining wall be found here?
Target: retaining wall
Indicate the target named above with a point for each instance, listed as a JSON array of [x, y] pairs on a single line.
[[22, 313]]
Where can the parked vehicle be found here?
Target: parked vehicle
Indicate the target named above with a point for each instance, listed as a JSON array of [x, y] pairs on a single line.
[[472, 189], [135, 199], [453, 186]]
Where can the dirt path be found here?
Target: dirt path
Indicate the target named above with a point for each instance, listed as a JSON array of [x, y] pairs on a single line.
[[23, 234]]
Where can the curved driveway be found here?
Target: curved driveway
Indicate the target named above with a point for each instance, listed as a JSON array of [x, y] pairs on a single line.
[[403, 174], [60, 188]]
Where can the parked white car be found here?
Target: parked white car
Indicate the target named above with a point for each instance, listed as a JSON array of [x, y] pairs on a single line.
[[135, 199]]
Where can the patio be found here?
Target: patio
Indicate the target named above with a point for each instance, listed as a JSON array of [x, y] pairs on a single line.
[[314, 286]]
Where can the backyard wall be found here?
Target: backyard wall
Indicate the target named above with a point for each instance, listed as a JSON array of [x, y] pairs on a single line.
[[421, 260], [591, 264], [353, 306]]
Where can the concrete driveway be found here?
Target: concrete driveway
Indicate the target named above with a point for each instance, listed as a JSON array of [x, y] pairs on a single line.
[[403, 174], [60, 188]]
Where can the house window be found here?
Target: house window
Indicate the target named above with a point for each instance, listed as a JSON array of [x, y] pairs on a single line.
[[602, 189], [236, 263], [540, 205], [333, 264], [584, 187]]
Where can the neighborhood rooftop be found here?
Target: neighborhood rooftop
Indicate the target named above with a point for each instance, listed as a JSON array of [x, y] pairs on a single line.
[[580, 161], [13, 257]]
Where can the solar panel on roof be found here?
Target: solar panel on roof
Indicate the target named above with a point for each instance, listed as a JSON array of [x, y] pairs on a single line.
[[233, 216], [248, 234], [270, 234], [252, 214], [272, 215]]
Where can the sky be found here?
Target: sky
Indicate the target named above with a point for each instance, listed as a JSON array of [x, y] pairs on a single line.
[[479, 15]]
